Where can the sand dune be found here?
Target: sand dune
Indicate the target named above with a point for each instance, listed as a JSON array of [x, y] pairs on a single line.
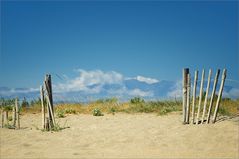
[[121, 136]]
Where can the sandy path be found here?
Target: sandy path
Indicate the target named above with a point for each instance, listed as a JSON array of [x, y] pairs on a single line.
[[121, 136]]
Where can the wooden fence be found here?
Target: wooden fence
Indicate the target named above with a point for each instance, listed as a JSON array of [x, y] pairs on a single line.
[[202, 106], [15, 123]]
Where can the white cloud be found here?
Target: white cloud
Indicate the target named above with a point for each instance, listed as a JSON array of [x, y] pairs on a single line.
[[13, 91], [233, 93], [138, 92], [89, 81], [92, 82], [147, 79], [176, 90]]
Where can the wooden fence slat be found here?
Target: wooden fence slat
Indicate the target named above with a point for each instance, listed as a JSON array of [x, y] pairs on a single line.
[[17, 115], [43, 107], [6, 117], [212, 96], [49, 89], [14, 114], [50, 108], [2, 117], [219, 95], [200, 97], [184, 83], [188, 98], [194, 94], [207, 90]]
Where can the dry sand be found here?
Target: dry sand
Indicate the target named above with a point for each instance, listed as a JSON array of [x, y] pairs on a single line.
[[121, 136]]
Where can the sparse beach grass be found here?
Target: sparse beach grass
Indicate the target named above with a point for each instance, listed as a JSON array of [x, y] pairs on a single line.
[[228, 107]]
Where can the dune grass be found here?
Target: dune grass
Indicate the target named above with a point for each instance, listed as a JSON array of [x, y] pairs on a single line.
[[227, 107]]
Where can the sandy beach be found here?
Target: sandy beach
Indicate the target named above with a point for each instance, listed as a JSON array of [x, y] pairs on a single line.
[[121, 136]]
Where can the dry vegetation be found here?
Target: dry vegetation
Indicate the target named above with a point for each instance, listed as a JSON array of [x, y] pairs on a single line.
[[227, 107]]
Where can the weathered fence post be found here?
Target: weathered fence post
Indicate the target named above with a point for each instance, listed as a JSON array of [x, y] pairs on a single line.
[[194, 94], [185, 74], [42, 107], [46, 97], [17, 115], [205, 100], [188, 98], [49, 99], [51, 110], [49, 90], [6, 116], [200, 97], [212, 95], [219, 95], [2, 117], [14, 114]]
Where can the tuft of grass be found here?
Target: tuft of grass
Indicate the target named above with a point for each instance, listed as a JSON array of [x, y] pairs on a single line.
[[112, 110], [57, 127], [137, 100], [97, 112], [70, 111], [60, 113], [9, 126]]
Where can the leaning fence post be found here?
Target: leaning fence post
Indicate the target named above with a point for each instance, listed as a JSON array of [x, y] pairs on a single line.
[[205, 100], [49, 99], [200, 96], [42, 107], [212, 96], [194, 94], [50, 108], [17, 115], [185, 73], [219, 95]]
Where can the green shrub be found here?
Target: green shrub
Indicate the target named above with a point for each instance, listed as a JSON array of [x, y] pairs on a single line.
[[7, 108], [60, 113], [112, 110], [70, 111], [97, 112], [137, 100]]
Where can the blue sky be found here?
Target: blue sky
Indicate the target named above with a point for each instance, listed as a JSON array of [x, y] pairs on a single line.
[[152, 39]]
